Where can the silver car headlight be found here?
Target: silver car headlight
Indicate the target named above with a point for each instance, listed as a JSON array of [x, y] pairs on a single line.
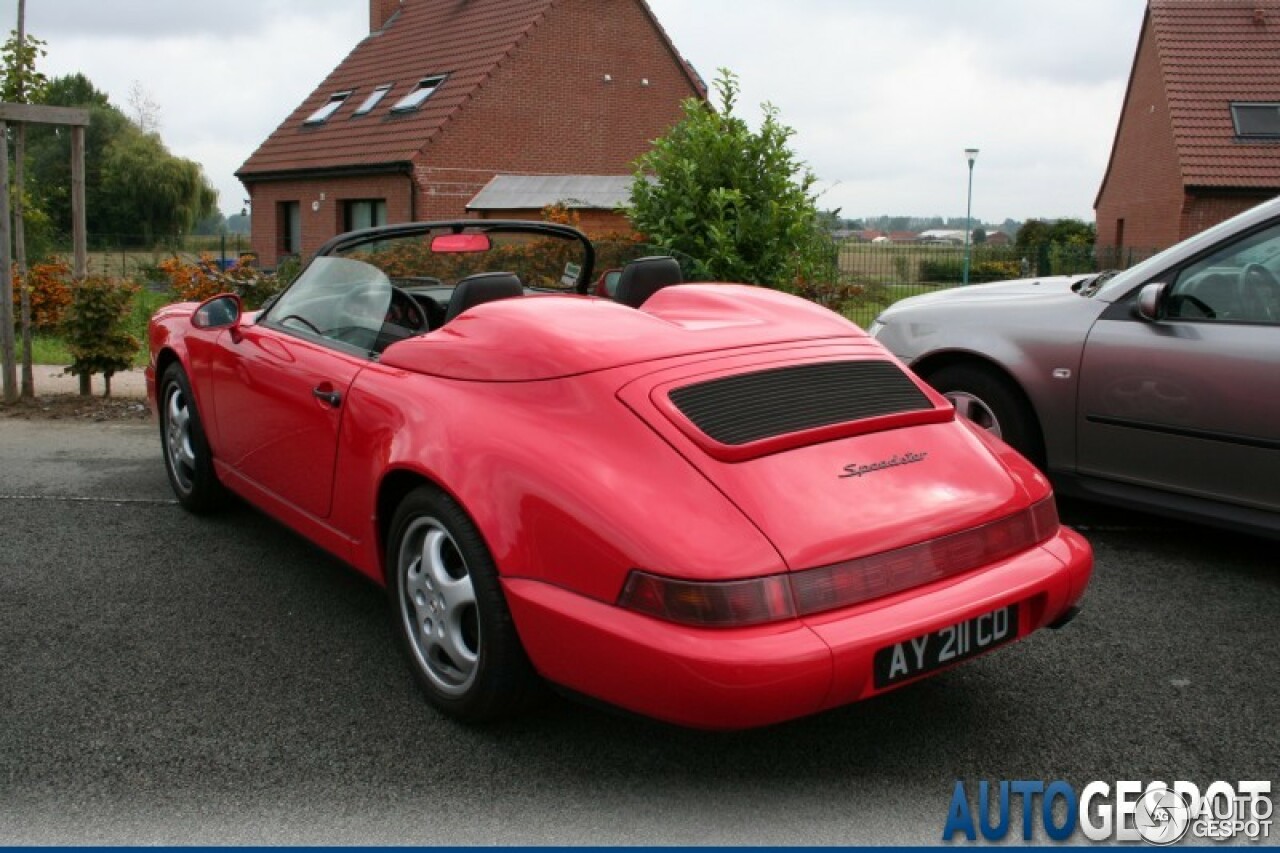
[[874, 329]]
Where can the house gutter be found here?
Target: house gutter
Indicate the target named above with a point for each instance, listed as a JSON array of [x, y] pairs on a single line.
[[402, 167]]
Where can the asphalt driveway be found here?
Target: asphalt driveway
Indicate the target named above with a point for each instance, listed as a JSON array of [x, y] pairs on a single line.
[[165, 678]]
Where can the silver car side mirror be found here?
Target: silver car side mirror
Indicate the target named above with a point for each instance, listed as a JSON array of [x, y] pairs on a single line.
[[1149, 300]]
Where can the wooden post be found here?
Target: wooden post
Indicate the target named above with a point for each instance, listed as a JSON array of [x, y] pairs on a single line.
[[20, 224], [78, 119], [79, 237], [20, 255], [10, 370]]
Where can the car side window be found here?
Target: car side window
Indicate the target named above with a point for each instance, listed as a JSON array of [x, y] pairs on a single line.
[[1238, 283]]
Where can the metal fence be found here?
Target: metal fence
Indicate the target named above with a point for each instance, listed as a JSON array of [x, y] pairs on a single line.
[[872, 276], [136, 257], [933, 266]]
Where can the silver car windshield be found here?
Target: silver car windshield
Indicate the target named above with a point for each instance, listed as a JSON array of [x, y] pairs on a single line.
[[1143, 272]]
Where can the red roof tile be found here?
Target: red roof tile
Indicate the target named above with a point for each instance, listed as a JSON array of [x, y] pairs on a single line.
[[466, 40], [429, 37], [1213, 53]]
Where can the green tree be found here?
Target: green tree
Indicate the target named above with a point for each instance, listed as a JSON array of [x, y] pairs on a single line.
[[1073, 232], [737, 201], [157, 194], [23, 82], [979, 236], [49, 152], [134, 185], [1033, 233]]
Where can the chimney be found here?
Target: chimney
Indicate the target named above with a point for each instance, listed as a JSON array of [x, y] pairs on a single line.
[[380, 12]]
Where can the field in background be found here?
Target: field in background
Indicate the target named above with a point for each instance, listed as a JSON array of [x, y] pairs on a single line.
[[873, 276], [126, 257]]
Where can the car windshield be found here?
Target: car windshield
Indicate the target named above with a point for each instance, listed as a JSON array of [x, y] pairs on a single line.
[[1140, 273], [542, 260], [368, 289]]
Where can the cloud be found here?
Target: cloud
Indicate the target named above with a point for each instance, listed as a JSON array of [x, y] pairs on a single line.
[[884, 96]]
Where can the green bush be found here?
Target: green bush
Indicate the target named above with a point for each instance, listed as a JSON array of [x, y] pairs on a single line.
[[94, 328], [738, 200], [951, 271]]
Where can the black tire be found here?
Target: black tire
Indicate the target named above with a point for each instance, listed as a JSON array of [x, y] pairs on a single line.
[[450, 617], [187, 458], [994, 403]]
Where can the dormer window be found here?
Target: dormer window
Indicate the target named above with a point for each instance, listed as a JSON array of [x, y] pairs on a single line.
[[375, 98], [1256, 120], [419, 95], [322, 115]]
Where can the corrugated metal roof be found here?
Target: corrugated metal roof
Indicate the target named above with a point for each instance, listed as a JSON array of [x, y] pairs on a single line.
[[534, 192], [1214, 53]]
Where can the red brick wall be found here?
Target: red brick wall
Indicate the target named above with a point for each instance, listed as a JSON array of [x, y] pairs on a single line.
[[1144, 184], [548, 109], [322, 224], [1202, 211]]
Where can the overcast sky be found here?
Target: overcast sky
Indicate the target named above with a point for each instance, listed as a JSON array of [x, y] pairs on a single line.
[[884, 96]]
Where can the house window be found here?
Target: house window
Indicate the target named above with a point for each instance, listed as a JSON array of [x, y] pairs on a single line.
[[420, 93], [321, 115], [1259, 120], [289, 220], [375, 97], [364, 213]]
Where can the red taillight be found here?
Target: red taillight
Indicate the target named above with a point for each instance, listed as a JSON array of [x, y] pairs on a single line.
[[731, 603], [770, 599], [865, 578]]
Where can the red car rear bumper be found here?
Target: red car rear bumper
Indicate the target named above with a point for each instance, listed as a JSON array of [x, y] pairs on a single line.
[[746, 677]]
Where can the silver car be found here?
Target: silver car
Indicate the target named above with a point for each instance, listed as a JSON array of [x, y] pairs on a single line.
[[1156, 388]]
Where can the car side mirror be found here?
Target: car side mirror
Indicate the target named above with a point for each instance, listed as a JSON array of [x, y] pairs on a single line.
[[1151, 301], [220, 312]]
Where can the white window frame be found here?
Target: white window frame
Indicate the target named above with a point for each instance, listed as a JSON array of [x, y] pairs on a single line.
[[418, 96], [375, 98], [331, 106]]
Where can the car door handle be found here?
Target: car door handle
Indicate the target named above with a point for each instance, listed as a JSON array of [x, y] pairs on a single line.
[[325, 394]]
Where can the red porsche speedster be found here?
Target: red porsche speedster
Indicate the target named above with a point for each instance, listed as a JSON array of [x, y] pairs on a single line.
[[713, 504]]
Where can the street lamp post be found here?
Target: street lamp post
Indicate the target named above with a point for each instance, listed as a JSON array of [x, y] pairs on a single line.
[[970, 154]]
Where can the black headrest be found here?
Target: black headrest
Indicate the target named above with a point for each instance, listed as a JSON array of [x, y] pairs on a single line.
[[644, 277], [482, 287]]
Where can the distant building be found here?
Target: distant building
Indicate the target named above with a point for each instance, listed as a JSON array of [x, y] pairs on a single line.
[[442, 96], [948, 236], [1199, 135]]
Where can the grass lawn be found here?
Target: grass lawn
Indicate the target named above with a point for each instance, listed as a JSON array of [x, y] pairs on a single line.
[[52, 349]]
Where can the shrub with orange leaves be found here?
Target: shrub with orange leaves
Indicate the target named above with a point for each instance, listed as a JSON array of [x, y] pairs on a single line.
[[50, 294], [198, 281]]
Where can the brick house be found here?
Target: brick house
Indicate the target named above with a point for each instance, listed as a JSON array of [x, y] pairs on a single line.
[[1199, 135], [443, 95]]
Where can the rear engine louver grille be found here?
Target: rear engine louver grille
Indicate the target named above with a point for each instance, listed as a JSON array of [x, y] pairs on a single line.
[[754, 406]]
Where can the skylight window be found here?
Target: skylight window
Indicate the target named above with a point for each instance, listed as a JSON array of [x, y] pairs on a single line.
[[322, 115], [1256, 120], [375, 98], [419, 95]]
